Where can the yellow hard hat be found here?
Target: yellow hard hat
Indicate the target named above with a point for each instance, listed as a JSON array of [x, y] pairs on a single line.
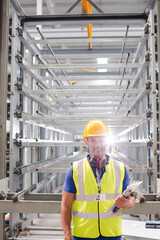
[[95, 128], [74, 81]]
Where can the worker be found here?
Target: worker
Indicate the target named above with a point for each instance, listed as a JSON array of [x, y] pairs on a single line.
[[92, 185]]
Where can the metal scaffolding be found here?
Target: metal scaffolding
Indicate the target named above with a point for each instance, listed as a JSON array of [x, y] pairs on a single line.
[[56, 85]]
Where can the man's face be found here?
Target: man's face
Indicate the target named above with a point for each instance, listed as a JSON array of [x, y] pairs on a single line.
[[96, 145]]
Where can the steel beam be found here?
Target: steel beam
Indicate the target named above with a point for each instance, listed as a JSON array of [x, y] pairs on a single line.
[[30, 206], [37, 100], [111, 41], [91, 105], [94, 87], [89, 66], [84, 56], [97, 108], [89, 78], [44, 183], [137, 165], [33, 73], [88, 100], [155, 119], [158, 43], [27, 206], [64, 169], [89, 92], [49, 169], [73, 6], [42, 143], [130, 128], [2, 226], [139, 98], [52, 52], [34, 188], [82, 117], [4, 28], [58, 197], [158, 37], [40, 228]]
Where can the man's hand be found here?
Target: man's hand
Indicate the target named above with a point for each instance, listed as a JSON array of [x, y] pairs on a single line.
[[125, 203], [67, 236]]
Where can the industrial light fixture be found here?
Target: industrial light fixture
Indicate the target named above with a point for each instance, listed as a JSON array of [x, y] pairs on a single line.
[[102, 61], [102, 70]]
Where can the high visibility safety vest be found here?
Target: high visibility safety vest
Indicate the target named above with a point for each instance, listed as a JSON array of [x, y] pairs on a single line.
[[90, 206]]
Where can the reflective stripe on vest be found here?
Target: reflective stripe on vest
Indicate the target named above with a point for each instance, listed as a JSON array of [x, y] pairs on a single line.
[[94, 215], [93, 197]]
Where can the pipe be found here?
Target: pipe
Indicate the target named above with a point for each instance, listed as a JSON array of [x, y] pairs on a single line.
[[87, 9], [82, 17]]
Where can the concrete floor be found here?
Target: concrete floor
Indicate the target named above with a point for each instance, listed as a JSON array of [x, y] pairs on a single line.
[[48, 226], [135, 230]]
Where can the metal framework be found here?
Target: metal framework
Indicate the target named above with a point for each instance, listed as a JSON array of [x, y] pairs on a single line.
[[56, 84]]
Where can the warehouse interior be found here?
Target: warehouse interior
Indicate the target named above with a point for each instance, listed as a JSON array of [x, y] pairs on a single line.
[[63, 63]]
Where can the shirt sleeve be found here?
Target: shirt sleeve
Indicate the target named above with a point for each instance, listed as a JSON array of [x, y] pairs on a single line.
[[126, 180], [69, 185]]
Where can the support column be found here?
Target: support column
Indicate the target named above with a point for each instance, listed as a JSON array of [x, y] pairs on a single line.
[[2, 226], [158, 37], [158, 45], [4, 22]]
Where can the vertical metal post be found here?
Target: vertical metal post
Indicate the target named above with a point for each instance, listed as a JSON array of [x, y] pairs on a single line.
[[4, 24], [158, 46], [153, 151], [2, 226], [4, 21], [158, 32]]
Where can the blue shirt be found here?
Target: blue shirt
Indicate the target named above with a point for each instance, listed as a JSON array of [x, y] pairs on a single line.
[[69, 186]]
